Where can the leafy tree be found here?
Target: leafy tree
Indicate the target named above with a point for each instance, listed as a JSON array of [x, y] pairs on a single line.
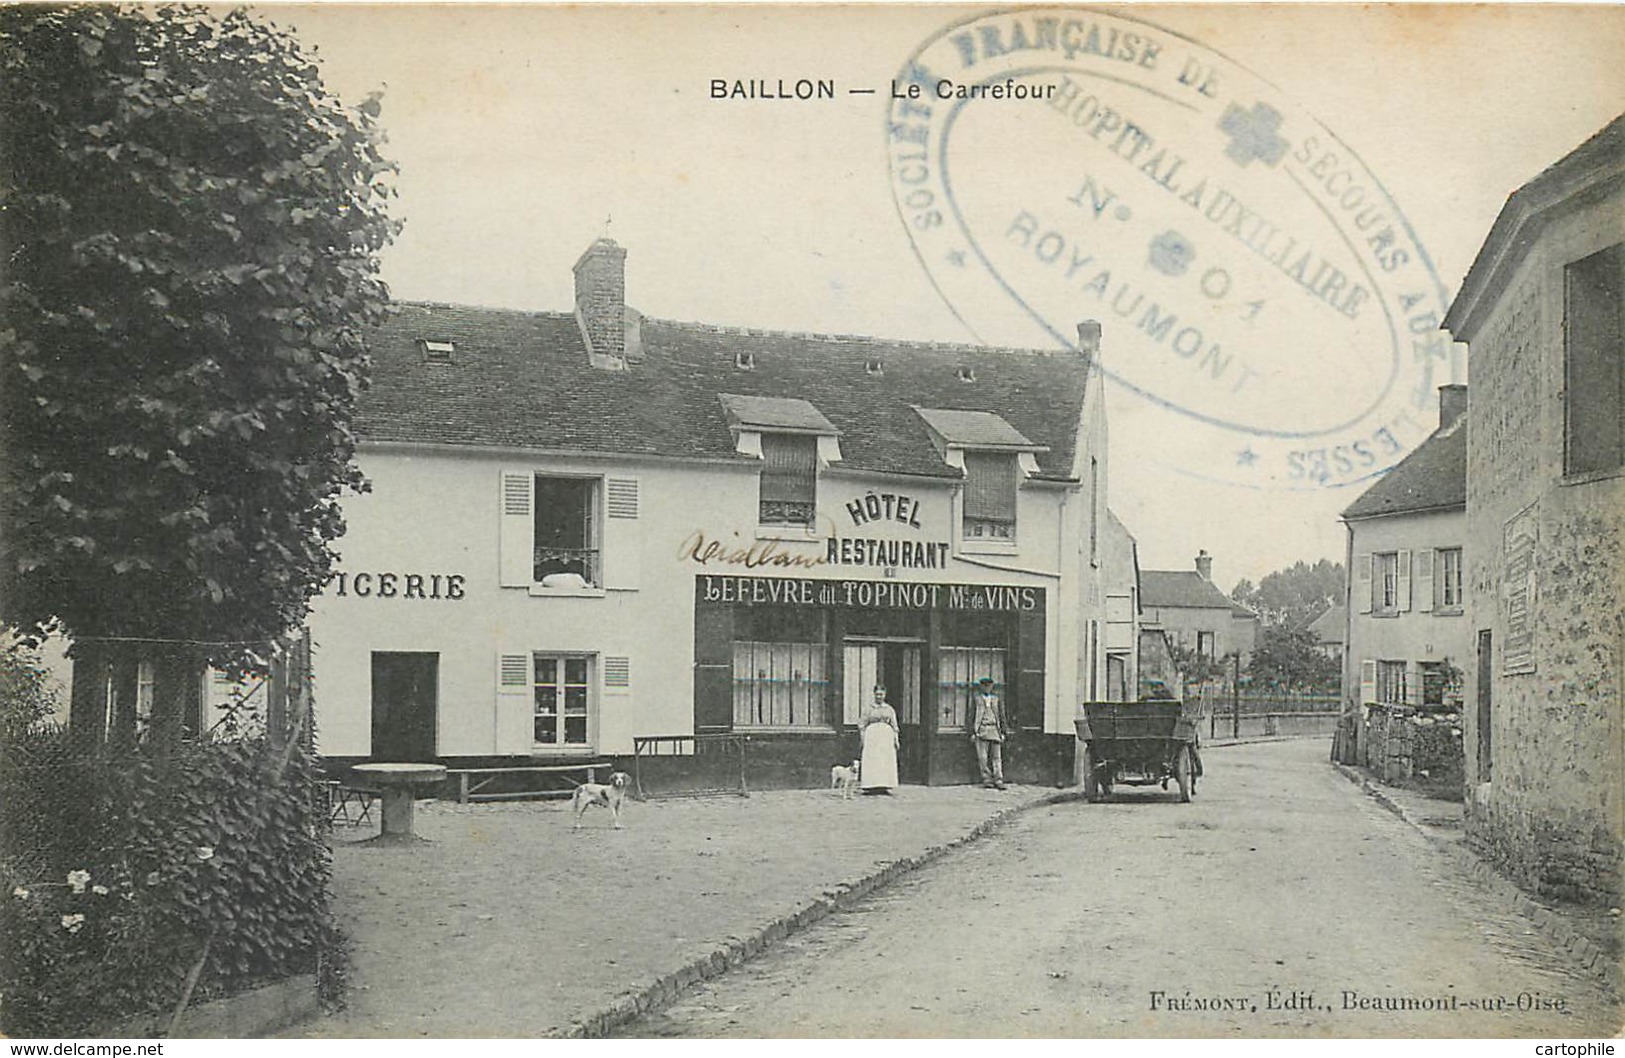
[[192, 223], [1287, 659], [1294, 596], [26, 698]]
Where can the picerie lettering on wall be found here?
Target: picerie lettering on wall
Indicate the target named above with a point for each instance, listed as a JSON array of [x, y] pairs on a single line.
[[398, 585], [870, 594]]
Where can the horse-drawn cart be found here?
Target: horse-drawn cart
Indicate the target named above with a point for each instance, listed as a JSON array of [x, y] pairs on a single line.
[[1139, 744]]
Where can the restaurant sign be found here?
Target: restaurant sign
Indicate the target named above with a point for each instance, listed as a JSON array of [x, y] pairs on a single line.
[[868, 594]]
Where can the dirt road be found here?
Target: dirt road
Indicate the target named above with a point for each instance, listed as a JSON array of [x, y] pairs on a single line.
[[1282, 902]]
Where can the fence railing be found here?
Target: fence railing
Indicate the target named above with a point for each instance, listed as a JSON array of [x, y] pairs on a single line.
[[1267, 715], [689, 765]]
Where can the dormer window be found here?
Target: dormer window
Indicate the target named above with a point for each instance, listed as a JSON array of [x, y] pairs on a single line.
[[436, 352], [789, 492], [874, 367], [745, 361], [991, 479], [995, 458], [967, 374], [792, 439]]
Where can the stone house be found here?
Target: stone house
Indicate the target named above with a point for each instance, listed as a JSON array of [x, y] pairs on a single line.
[[1541, 311], [1407, 629], [590, 527], [1195, 615]]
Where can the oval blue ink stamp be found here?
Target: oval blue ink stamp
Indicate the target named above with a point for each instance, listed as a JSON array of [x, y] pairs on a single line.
[[1262, 294]]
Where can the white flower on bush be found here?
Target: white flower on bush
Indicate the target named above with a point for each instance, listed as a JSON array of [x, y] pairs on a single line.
[[72, 923], [77, 880], [99, 890], [205, 852], [20, 893]]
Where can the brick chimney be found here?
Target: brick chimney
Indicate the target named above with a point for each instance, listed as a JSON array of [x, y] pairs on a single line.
[[1089, 339], [601, 302], [1452, 405], [1204, 566]]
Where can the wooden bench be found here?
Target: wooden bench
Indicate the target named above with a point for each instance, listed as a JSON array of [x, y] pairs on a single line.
[[471, 781]]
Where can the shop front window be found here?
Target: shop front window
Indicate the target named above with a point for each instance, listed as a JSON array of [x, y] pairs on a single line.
[[958, 670], [780, 676]]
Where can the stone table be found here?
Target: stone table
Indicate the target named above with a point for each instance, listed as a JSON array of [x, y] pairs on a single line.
[[396, 784]]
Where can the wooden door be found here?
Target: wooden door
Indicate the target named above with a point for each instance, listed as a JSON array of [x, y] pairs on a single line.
[[405, 701]]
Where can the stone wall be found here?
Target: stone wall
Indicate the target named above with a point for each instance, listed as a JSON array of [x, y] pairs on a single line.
[[1403, 745]]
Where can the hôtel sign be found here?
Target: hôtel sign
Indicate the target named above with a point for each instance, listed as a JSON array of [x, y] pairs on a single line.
[[868, 594]]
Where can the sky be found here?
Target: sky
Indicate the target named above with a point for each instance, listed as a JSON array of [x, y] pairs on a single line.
[[523, 133]]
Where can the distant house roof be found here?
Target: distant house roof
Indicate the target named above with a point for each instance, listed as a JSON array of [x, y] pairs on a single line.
[[1597, 163], [1433, 477], [1183, 588], [1331, 626], [523, 379]]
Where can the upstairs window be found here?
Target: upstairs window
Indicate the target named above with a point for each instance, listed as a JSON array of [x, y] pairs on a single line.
[[789, 493], [1385, 584], [1594, 363], [1449, 588], [991, 480], [566, 538]]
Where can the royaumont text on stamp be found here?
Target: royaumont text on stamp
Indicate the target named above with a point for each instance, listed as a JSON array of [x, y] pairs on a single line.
[[805, 89]]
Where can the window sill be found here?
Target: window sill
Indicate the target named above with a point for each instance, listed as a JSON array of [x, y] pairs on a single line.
[[989, 547], [786, 532], [1448, 611], [745, 729], [553, 749], [538, 591], [1590, 477]]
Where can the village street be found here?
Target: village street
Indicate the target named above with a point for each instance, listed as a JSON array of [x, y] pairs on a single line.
[[1283, 896]]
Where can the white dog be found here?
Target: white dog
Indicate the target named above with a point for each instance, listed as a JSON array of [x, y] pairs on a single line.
[[610, 795], [844, 777]]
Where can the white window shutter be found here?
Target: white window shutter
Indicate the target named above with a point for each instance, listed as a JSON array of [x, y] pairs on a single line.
[[623, 536], [1424, 579], [1404, 564], [516, 504], [1413, 683], [514, 703], [616, 706], [1368, 682], [1363, 587]]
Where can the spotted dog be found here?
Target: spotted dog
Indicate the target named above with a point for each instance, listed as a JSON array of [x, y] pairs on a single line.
[[610, 795]]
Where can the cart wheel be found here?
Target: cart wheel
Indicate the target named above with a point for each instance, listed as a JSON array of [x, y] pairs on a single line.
[[1182, 774], [1091, 785]]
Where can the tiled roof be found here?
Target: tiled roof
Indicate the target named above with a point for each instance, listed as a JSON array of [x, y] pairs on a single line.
[[775, 413], [1573, 179], [1181, 588], [1331, 626], [522, 379], [1434, 476], [973, 429]]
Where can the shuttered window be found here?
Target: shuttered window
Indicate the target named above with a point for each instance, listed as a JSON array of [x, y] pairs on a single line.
[[789, 479], [990, 496], [1593, 365]]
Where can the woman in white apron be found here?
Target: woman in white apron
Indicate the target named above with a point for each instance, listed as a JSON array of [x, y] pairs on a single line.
[[878, 727]]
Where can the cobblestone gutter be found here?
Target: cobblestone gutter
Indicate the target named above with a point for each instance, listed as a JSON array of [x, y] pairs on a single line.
[[710, 962], [1578, 942]]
